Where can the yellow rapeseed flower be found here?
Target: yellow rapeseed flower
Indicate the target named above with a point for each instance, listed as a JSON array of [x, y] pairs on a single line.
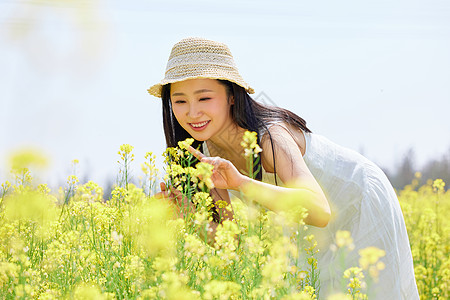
[[27, 158], [356, 283], [339, 296], [9, 272], [186, 143], [369, 260], [86, 291], [170, 155], [303, 295], [344, 239], [147, 225], [125, 149], [217, 289], [204, 172], [370, 256], [5, 188], [438, 185], [31, 205], [250, 145]]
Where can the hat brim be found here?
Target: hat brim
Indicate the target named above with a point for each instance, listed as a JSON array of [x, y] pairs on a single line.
[[155, 90]]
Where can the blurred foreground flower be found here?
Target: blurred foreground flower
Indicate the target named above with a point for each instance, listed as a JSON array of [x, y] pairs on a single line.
[[344, 239], [90, 291], [147, 223], [369, 260], [27, 158], [31, 205]]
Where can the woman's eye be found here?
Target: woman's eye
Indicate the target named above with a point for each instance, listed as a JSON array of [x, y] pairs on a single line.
[[203, 99], [179, 101]]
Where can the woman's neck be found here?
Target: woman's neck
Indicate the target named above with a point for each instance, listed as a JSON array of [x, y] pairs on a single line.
[[228, 142]]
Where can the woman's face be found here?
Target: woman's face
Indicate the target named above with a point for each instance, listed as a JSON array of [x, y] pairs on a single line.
[[201, 107]]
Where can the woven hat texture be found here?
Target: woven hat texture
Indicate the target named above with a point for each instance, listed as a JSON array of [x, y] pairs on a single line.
[[200, 58]]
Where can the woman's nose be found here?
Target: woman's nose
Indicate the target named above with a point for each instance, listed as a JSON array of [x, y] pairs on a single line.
[[194, 111]]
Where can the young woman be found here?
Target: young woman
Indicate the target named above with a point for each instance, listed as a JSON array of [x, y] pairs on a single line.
[[205, 98]]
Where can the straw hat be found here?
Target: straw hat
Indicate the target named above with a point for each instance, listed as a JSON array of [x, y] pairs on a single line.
[[200, 58]]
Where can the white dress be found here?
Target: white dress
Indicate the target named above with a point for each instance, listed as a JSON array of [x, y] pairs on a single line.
[[363, 202]]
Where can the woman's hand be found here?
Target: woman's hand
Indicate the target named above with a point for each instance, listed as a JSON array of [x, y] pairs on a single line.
[[180, 203], [225, 175]]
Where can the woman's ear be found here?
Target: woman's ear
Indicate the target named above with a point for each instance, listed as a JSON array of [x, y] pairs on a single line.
[[231, 100]]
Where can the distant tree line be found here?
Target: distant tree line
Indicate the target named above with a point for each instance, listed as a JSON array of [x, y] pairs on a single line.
[[405, 172]]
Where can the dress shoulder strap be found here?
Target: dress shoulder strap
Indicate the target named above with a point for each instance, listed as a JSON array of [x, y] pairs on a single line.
[[205, 149]]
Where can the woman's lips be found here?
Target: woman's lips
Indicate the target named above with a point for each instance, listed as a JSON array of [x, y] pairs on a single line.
[[199, 125]]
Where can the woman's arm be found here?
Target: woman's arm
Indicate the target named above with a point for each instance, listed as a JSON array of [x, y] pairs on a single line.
[[289, 199], [300, 187], [301, 191]]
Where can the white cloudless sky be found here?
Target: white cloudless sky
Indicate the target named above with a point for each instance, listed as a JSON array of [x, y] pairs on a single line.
[[373, 76]]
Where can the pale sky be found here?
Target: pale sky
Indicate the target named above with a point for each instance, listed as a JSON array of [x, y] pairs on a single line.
[[373, 76]]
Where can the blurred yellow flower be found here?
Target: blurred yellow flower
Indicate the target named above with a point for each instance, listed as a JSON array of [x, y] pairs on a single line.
[[438, 185], [31, 205], [370, 256], [339, 296], [87, 291], [27, 158], [216, 289], [344, 239]]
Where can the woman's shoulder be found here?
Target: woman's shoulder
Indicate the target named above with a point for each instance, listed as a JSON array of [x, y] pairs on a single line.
[[279, 136], [280, 133]]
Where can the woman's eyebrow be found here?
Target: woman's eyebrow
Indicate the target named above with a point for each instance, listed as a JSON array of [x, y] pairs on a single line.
[[196, 92], [202, 91]]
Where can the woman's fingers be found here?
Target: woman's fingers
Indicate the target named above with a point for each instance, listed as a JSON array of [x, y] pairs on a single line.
[[173, 195], [211, 160], [215, 161], [196, 153], [176, 199], [163, 193]]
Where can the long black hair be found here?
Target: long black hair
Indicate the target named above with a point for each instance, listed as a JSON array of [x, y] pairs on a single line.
[[245, 112]]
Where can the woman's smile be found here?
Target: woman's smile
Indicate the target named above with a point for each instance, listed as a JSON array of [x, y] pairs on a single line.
[[199, 126]]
